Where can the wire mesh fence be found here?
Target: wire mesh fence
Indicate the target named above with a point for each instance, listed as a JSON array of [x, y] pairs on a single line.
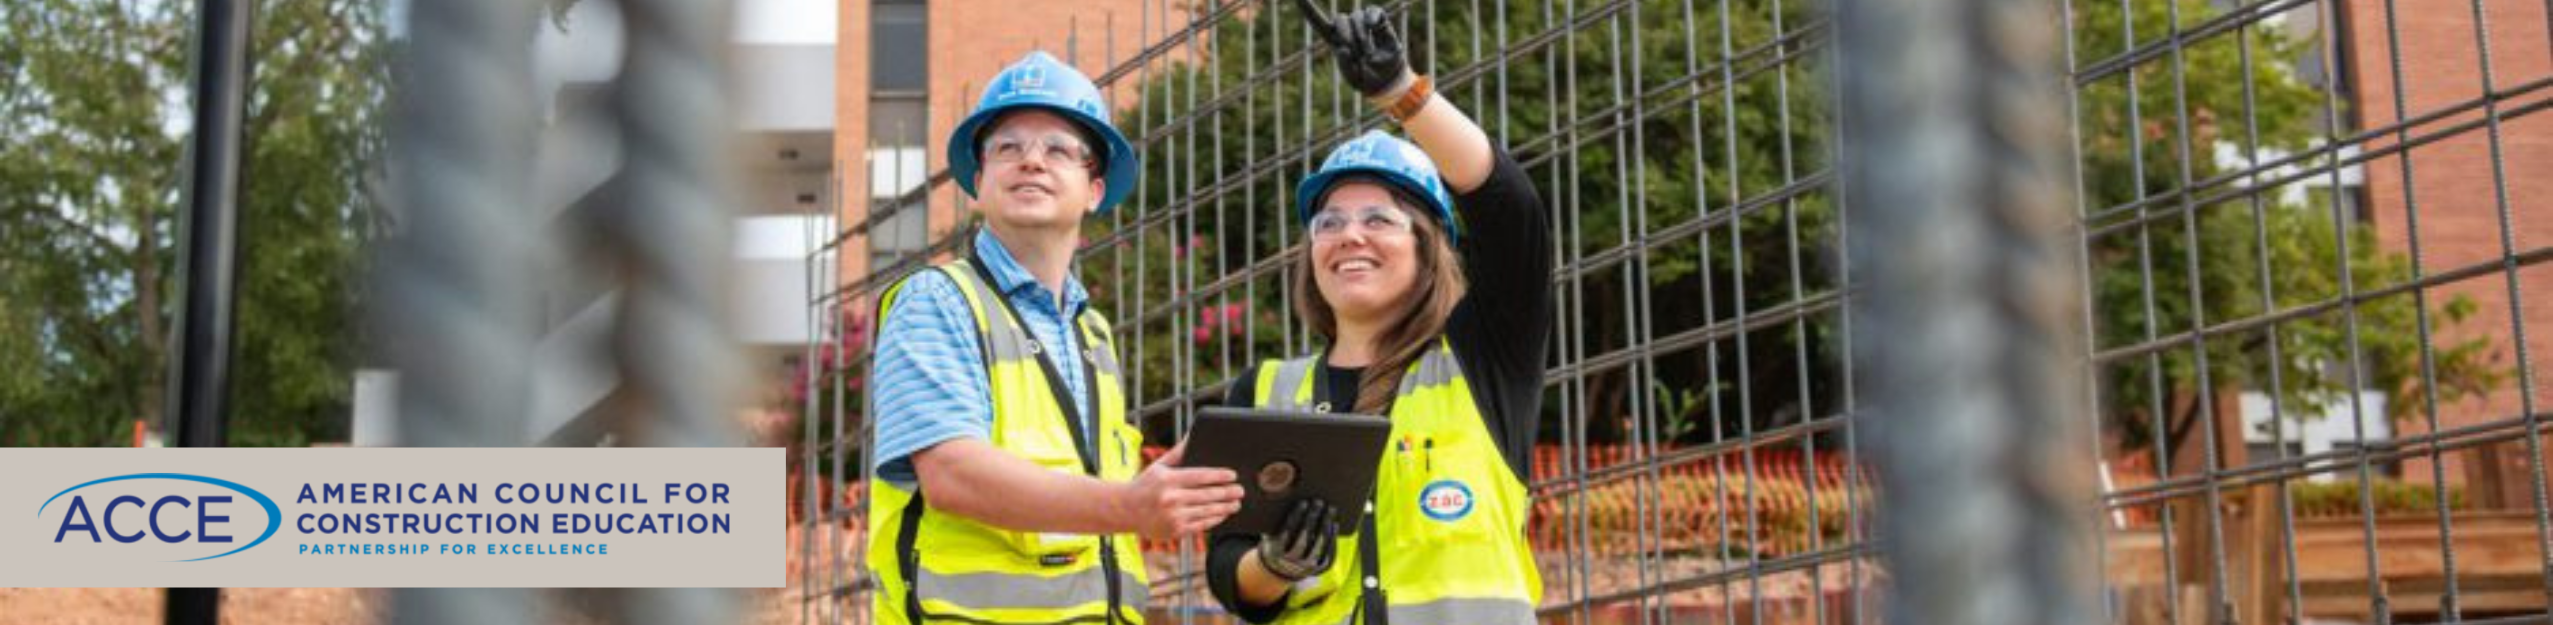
[[2303, 237]]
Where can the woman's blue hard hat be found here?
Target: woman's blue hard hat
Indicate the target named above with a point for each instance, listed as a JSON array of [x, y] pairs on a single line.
[[1380, 156]]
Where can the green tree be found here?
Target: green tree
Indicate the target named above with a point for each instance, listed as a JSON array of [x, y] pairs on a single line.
[[2253, 256], [1740, 135], [91, 167], [1690, 161]]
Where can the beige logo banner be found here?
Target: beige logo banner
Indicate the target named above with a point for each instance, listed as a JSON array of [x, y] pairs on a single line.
[[393, 517]]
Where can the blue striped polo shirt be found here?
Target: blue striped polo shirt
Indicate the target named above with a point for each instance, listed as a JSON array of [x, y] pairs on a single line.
[[927, 378]]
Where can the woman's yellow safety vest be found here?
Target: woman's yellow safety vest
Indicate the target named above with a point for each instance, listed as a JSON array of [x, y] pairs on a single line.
[[1448, 513], [935, 566]]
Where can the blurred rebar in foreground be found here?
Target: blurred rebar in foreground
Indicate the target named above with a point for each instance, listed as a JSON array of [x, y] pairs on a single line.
[[1955, 163], [454, 313], [670, 234], [457, 311]]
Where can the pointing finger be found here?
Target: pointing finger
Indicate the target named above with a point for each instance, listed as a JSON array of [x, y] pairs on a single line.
[[1321, 24]]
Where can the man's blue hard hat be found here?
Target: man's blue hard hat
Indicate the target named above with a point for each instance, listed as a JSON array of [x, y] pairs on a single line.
[[1043, 83]]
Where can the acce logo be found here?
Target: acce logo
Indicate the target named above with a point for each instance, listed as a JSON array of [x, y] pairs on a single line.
[[77, 519]]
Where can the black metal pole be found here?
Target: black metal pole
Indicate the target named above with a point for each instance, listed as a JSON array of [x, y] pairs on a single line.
[[199, 374]]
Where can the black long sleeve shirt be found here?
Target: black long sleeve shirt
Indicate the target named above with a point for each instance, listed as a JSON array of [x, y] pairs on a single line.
[[1499, 333]]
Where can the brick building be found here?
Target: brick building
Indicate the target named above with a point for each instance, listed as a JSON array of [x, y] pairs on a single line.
[[2425, 62], [906, 72]]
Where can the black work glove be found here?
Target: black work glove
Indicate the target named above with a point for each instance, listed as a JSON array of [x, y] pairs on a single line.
[[1305, 545], [1368, 48]]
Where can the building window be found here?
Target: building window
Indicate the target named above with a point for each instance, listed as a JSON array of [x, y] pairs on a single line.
[[2265, 453], [899, 47], [899, 167], [899, 128], [901, 235]]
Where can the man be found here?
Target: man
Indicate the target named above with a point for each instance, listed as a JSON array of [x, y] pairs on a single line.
[[1005, 486]]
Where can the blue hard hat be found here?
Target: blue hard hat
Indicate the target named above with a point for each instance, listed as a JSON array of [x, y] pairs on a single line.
[[1381, 156], [1041, 82]]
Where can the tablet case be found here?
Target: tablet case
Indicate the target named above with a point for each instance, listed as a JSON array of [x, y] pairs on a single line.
[[1282, 456]]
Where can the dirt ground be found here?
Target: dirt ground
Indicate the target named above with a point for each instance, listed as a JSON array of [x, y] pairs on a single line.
[[263, 606], [1784, 595], [142, 605], [333, 606]]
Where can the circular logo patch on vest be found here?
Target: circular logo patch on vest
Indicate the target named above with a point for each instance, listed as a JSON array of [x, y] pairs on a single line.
[[1445, 500]]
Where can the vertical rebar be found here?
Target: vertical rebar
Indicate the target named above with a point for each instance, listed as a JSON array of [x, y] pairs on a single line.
[[1202, 63], [1223, 225], [2090, 370], [838, 336], [1807, 408], [2378, 602], [453, 314], [1139, 376], [1573, 343], [2332, 131], [1857, 522], [851, 554], [2420, 310], [670, 236], [2211, 459], [1631, 192], [1250, 207], [1959, 126], [1740, 324], [812, 366], [2525, 374], [1118, 285], [2276, 368]]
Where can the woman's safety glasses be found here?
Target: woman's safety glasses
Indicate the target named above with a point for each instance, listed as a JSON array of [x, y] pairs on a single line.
[[1333, 222]]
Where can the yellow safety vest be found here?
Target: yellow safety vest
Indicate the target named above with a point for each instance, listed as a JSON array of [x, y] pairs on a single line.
[[1449, 512], [935, 566]]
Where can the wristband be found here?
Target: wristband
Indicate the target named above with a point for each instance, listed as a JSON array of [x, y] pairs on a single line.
[[1412, 99]]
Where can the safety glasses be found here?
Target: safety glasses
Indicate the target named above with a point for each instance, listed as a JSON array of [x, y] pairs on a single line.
[[1056, 147], [1334, 222]]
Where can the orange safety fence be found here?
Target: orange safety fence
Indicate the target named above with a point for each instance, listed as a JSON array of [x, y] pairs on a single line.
[[1695, 504]]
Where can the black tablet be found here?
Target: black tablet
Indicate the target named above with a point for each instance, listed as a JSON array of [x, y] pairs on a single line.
[[1283, 456]]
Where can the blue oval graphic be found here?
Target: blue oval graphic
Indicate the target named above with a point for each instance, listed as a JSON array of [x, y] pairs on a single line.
[[274, 515], [1445, 500]]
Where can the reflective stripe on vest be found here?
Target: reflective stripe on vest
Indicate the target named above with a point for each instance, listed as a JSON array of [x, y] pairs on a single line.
[[963, 571], [1449, 512], [1080, 590], [1465, 611]]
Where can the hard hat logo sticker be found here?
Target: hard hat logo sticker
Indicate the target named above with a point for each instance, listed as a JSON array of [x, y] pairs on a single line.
[[1357, 153]]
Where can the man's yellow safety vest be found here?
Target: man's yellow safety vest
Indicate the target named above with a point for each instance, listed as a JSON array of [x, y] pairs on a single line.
[[935, 566], [1446, 527]]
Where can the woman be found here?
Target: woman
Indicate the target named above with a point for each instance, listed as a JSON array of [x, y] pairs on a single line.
[[1397, 234]]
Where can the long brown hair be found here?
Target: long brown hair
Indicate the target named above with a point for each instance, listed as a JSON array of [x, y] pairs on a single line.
[[1424, 308]]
